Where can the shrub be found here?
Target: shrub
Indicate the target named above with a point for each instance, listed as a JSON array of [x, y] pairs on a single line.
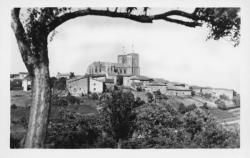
[[221, 104], [236, 101], [94, 96], [192, 93], [59, 101], [16, 84], [164, 96], [182, 108], [205, 106], [191, 107], [207, 95], [59, 84], [139, 89], [13, 106], [14, 142], [73, 130], [224, 97], [150, 97], [72, 99], [139, 102]]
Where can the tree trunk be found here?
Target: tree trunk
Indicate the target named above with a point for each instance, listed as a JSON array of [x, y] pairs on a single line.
[[40, 107]]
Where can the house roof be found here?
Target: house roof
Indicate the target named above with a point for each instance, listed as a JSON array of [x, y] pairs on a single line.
[[28, 77], [23, 72], [161, 80], [75, 79], [155, 83], [137, 84], [141, 78], [95, 75], [107, 80], [178, 89]]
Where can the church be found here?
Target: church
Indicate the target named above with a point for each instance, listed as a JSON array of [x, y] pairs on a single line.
[[127, 65]]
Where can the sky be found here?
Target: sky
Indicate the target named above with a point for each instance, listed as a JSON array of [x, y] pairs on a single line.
[[166, 50]]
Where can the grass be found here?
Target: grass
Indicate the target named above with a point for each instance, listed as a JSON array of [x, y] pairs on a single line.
[[20, 98]]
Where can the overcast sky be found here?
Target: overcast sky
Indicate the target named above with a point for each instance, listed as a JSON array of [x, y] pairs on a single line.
[[166, 50]]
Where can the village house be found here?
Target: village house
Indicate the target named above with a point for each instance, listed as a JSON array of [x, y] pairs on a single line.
[[179, 92], [85, 85], [217, 92], [178, 89], [196, 89], [130, 81], [26, 83], [155, 86], [20, 76]]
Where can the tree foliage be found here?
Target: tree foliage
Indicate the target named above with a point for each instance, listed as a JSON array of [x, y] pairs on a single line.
[[222, 22], [118, 111]]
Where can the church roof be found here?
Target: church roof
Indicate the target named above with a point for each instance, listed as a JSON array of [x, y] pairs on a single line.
[[98, 63]]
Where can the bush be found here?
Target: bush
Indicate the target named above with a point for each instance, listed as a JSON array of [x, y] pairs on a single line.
[[14, 142], [221, 104], [73, 100], [236, 101], [182, 108], [207, 95], [164, 96], [192, 93], [59, 101], [191, 107], [73, 130], [16, 84], [13, 106], [205, 106], [94, 96], [150, 97], [139, 102], [224, 97]]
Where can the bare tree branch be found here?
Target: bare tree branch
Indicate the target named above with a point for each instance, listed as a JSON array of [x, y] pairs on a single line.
[[139, 18]]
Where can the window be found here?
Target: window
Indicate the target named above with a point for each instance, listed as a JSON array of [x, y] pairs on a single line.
[[94, 84]]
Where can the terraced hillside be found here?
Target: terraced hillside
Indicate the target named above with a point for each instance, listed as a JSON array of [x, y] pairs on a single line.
[[229, 118]]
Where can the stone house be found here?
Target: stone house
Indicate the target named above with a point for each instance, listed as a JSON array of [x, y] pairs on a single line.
[[20, 76], [26, 83], [84, 85], [178, 92], [155, 86], [129, 81], [217, 92]]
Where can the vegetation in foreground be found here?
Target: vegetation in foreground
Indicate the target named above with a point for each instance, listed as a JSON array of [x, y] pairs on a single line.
[[127, 122]]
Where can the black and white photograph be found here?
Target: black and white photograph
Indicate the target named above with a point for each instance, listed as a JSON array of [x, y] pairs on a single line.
[[114, 78], [127, 78]]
